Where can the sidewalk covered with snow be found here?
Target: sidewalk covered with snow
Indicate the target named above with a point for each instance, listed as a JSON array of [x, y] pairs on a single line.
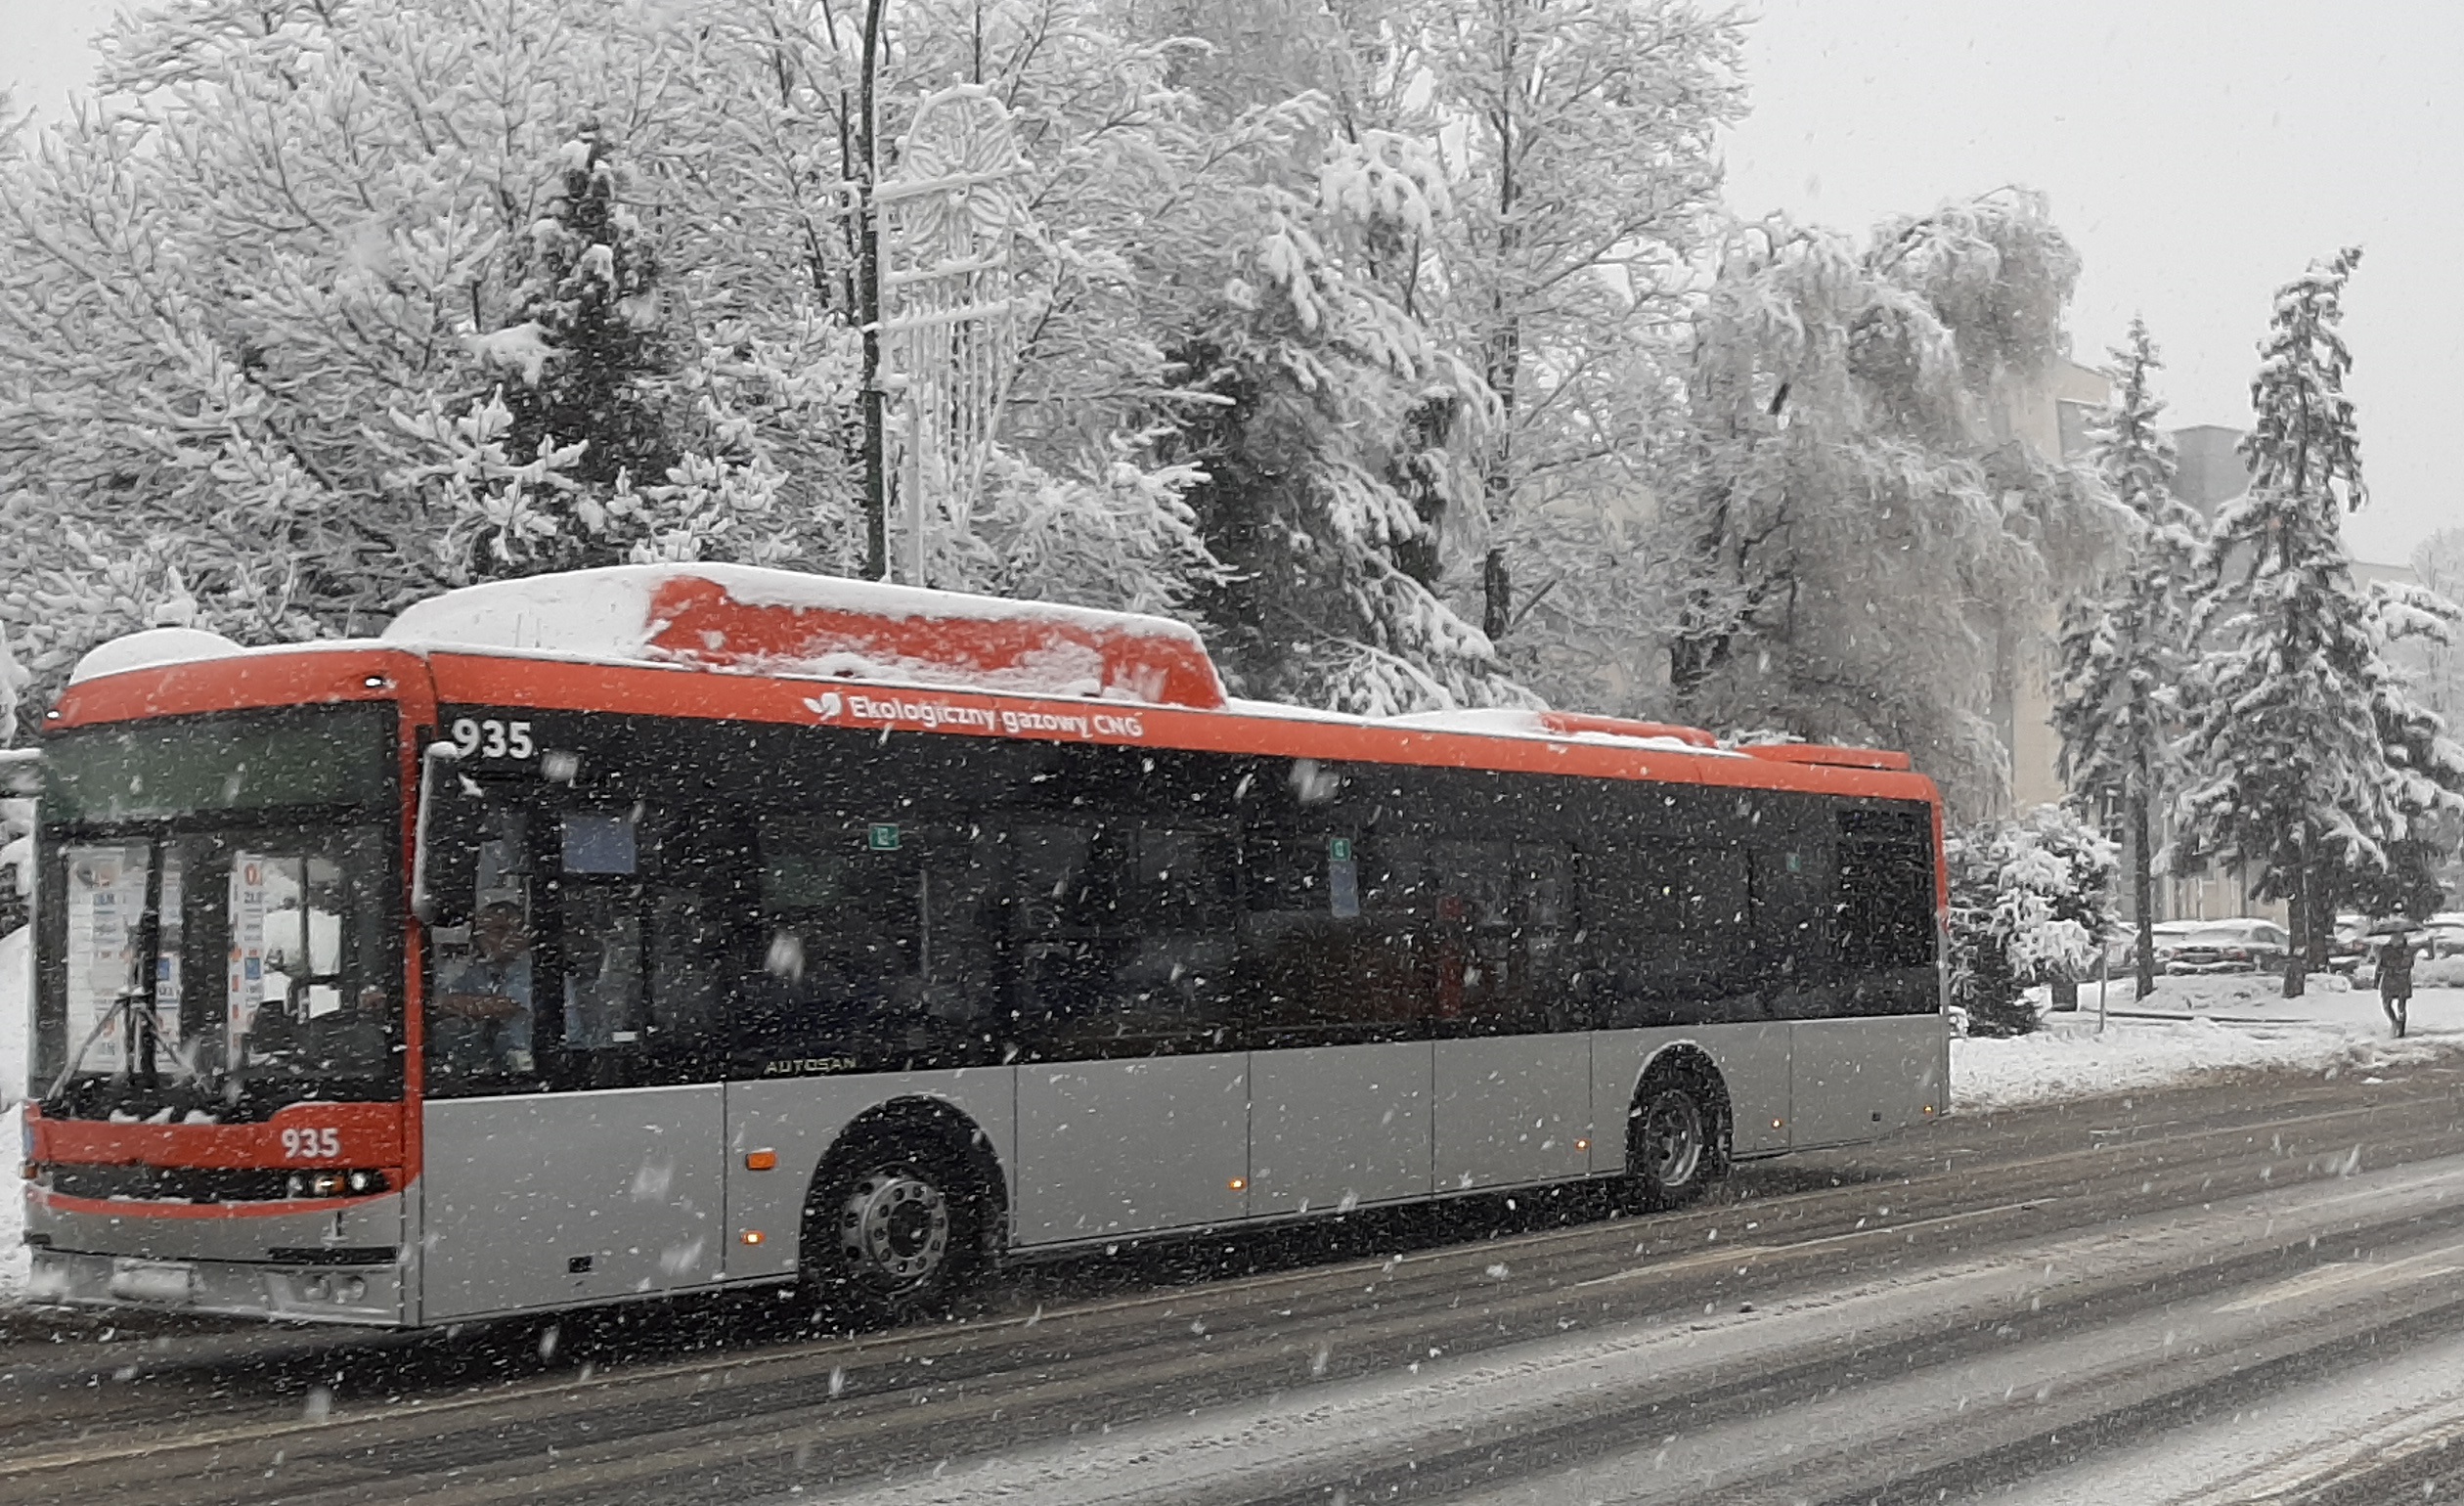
[[2193, 1026]]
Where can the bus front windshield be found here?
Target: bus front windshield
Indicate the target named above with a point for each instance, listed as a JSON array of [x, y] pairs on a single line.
[[219, 920]]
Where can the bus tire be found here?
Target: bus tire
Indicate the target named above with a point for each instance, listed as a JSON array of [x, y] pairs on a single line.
[[1676, 1137], [893, 1231]]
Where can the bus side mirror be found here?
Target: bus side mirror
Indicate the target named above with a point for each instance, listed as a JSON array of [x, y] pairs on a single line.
[[445, 854]]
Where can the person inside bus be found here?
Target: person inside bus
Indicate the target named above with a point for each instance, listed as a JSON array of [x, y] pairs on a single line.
[[481, 1017]]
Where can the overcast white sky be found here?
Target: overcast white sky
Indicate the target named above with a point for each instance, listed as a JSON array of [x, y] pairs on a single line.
[[2198, 154]]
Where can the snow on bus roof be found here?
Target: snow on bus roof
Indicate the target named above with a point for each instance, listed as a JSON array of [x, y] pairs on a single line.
[[1565, 726], [151, 648], [744, 617]]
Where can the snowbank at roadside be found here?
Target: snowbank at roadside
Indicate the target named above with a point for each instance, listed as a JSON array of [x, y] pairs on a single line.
[[2208, 1025], [17, 988], [17, 1262]]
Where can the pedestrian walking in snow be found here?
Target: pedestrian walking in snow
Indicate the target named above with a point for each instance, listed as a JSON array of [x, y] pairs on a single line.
[[2395, 977]]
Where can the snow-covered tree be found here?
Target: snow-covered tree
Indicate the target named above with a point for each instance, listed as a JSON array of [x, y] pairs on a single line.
[[2116, 705], [1332, 432], [2031, 903], [1581, 141], [1859, 530], [2439, 563], [1561, 275], [273, 298], [13, 679], [2312, 761], [589, 356]]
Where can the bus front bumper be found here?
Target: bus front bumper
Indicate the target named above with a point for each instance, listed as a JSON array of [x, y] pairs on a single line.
[[364, 1295]]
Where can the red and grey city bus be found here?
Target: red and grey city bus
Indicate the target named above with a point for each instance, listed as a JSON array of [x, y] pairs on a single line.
[[671, 928]]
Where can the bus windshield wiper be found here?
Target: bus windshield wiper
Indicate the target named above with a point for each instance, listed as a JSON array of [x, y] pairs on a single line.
[[137, 1012]]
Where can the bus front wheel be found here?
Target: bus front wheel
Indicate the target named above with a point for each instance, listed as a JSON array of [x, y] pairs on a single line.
[[892, 1233], [1676, 1144]]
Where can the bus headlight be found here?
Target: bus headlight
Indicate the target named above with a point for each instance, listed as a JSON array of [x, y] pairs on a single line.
[[361, 1182]]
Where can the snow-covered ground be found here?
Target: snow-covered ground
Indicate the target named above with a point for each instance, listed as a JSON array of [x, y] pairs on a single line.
[[2212, 1024]]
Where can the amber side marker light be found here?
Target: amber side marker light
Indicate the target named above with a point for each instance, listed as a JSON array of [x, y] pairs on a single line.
[[751, 1236], [1237, 1183], [1582, 1145], [1776, 1124], [761, 1160]]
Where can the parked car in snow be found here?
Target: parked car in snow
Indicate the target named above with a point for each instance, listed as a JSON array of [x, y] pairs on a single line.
[[2350, 946], [2167, 935], [2240, 945], [2443, 933]]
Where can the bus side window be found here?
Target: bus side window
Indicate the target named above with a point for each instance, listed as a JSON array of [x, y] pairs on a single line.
[[1307, 957], [1883, 928], [1171, 976], [602, 938], [685, 1023], [835, 971]]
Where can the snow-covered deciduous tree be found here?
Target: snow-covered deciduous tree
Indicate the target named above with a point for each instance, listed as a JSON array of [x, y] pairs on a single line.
[[13, 679], [1860, 530], [1581, 147], [2312, 762], [2116, 704], [2439, 563], [312, 296], [2031, 903]]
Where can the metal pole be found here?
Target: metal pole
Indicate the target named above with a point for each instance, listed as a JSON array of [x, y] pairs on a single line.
[[2104, 974], [915, 473]]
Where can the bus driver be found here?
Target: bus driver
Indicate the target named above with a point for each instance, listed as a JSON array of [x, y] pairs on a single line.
[[482, 1016]]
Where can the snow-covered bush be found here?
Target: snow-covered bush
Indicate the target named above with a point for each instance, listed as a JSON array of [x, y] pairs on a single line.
[[2031, 902]]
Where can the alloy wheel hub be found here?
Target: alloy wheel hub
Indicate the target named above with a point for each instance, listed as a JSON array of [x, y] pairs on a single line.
[[896, 1225]]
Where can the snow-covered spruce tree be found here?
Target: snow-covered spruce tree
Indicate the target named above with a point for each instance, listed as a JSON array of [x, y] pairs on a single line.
[[2425, 767], [2116, 705], [591, 362], [1859, 531], [2031, 903], [2291, 715], [1327, 426]]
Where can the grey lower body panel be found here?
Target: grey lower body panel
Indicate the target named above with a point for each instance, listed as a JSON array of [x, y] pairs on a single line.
[[553, 1199], [1332, 1128]]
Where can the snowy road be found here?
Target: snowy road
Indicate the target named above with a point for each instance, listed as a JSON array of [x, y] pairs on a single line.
[[2060, 1304]]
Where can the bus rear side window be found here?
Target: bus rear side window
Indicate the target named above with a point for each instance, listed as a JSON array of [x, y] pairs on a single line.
[[1884, 916]]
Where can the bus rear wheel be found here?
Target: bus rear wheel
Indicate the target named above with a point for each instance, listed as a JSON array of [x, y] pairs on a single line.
[[892, 1234], [1675, 1147]]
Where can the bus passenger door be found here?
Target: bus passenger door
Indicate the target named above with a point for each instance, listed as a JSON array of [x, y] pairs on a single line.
[[1134, 1094], [1513, 1100], [574, 1129], [1334, 984]]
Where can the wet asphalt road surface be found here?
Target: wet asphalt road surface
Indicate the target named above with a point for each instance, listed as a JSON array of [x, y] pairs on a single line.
[[2243, 1291]]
